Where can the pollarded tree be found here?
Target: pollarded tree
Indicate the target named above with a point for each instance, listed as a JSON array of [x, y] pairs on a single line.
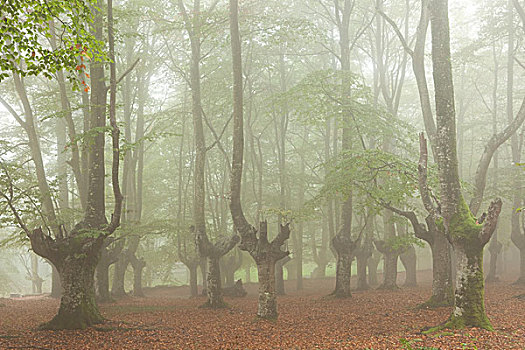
[[255, 241], [75, 253], [467, 234], [194, 23]]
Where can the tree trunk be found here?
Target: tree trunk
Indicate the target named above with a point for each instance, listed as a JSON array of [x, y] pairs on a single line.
[[78, 309], [56, 286], [495, 249], [390, 257], [469, 308], [442, 287], [467, 235], [214, 288], [362, 258], [409, 260], [138, 266], [389, 271], [267, 305], [343, 274], [373, 263], [117, 289], [194, 290], [203, 269], [102, 281], [521, 279], [279, 275]]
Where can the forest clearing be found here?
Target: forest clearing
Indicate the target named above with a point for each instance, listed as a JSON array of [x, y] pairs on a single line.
[[167, 319]]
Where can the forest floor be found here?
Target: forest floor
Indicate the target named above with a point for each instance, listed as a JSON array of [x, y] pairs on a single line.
[[168, 319]]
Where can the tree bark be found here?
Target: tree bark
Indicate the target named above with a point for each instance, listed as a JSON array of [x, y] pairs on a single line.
[[194, 290], [495, 249], [409, 260], [56, 286], [108, 257], [467, 235], [442, 288], [138, 265]]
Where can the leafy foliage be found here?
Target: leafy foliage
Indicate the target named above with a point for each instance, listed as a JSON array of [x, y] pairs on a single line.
[[24, 28]]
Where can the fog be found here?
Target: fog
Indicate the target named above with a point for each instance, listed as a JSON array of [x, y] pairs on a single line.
[[303, 164]]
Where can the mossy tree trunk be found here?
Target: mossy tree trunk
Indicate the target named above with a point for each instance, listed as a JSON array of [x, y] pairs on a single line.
[[75, 254], [78, 308], [344, 247], [214, 290], [467, 235], [469, 306]]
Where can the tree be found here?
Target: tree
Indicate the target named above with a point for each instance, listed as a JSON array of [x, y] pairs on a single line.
[[75, 253], [467, 234], [206, 249], [255, 241]]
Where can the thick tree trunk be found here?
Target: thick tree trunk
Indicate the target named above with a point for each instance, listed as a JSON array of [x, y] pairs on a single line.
[[362, 259], [442, 286], [390, 257], [409, 260], [78, 308], [267, 305], [389, 271], [343, 274], [469, 308], [214, 289]]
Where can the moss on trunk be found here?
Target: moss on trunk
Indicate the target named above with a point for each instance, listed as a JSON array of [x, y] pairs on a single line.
[[78, 307]]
